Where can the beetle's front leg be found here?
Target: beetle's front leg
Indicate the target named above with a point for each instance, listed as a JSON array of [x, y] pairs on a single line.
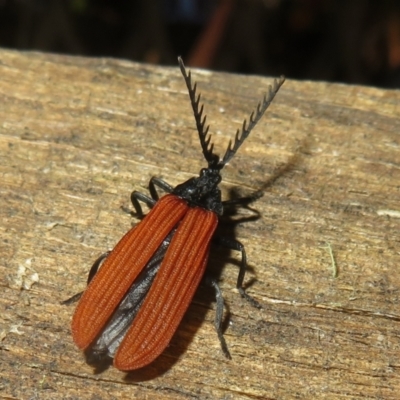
[[149, 201]]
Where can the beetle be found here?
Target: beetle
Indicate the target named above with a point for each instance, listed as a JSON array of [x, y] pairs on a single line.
[[138, 293]]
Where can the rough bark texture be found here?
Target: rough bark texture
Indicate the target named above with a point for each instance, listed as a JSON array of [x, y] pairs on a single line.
[[77, 135]]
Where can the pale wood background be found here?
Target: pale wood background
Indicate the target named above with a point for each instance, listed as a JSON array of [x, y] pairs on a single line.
[[77, 135]]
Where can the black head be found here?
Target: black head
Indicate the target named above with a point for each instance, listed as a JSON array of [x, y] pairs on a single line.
[[203, 191]]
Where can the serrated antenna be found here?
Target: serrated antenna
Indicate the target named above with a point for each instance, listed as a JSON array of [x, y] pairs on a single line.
[[207, 148], [242, 134]]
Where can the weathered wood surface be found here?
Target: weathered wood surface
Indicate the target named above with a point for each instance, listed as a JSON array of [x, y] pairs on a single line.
[[78, 135]]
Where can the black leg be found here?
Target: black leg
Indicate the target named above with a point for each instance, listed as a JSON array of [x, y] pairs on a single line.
[[92, 273], [96, 265], [231, 207], [236, 245], [136, 197], [219, 313], [72, 299], [149, 201], [154, 181]]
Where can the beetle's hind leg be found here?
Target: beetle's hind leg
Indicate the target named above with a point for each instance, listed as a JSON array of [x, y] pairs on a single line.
[[236, 245], [219, 313]]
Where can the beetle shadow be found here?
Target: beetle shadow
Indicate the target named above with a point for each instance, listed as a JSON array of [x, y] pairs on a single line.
[[245, 202], [183, 337], [181, 340]]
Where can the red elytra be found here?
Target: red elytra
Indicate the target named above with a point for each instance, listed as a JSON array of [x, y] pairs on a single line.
[[169, 295], [136, 300]]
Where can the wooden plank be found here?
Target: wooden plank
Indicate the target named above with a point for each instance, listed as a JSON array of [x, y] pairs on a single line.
[[77, 135]]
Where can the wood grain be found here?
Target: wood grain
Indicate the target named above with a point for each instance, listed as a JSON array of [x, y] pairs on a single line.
[[77, 135]]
